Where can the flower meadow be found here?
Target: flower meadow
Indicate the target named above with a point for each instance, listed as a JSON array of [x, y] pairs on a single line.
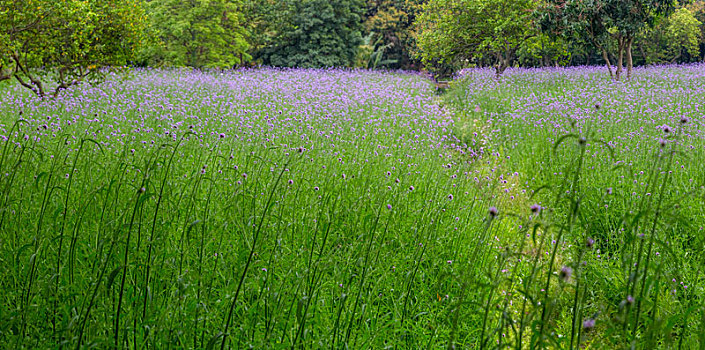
[[354, 209]]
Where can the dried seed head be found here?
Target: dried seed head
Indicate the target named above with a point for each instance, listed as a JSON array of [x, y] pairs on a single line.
[[565, 273], [493, 211], [535, 208]]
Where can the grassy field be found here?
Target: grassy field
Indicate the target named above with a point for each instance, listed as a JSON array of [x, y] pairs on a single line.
[[354, 209]]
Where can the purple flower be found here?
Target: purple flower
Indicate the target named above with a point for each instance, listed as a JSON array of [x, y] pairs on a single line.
[[565, 273], [535, 208], [389, 206], [589, 324], [589, 242], [493, 211]]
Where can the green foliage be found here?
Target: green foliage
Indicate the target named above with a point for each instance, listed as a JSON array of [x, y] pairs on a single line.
[[542, 50], [698, 10], [314, 33], [66, 41], [372, 55], [683, 33], [676, 39], [390, 23], [198, 33], [458, 31], [264, 20], [604, 24]]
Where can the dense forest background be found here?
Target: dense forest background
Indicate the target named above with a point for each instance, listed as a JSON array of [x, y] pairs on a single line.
[[409, 34], [73, 40]]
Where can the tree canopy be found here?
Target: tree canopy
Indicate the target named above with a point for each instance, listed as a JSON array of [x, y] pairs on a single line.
[[49, 45], [604, 23], [72, 40], [390, 27], [316, 33], [452, 31], [198, 33]]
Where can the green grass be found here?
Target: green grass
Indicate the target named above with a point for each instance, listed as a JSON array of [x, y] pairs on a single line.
[[343, 209], [606, 170]]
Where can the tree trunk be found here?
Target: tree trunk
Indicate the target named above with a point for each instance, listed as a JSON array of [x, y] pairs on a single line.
[[500, 68], [32, 83], [620, 58], [501, 65], [630, 62], [607, 60], [6, 73], [678, 56]]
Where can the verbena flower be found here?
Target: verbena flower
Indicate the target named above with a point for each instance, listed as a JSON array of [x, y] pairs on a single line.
[[493, 211], [589, 324], [565, 273]]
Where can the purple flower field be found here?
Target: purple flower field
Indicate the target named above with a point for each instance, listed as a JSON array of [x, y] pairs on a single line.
[[621, 164], [346, 208]]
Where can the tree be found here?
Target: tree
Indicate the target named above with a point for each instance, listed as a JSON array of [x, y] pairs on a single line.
[[452, 31], [67, 42], [390, 26], [604, 23], [683, 35], [265, 20], [541, 50], [199, 33], [698, 9], [316, 33]]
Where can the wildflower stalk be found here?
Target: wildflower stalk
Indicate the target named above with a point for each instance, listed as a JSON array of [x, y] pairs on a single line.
[[652, 238], [255, 240], [150, 245], [575, 206], [125, 260]]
